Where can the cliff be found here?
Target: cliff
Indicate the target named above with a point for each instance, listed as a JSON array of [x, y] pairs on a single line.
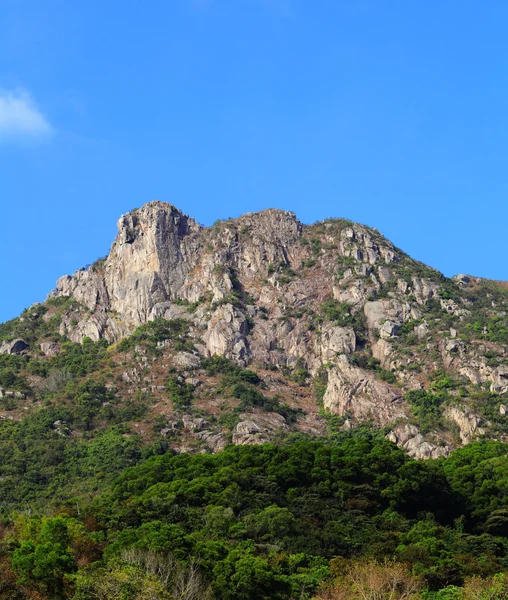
[[333, 317]]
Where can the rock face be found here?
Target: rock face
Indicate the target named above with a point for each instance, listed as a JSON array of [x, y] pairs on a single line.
[[226, 333], [269, 292], [156, 247], [49, 349], [17, 346], [467, 421], [355, 392], [409, 437], [335, 341], [257, 429]]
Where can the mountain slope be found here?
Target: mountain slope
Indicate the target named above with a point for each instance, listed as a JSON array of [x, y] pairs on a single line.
[[313, 328]]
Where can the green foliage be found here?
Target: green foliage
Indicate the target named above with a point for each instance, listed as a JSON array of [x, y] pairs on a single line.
[[320, 383], [387, 376], [308, 263], [300, 376], [232, 373], [487, 404], [180, 393], [39, 322], [99, 264], [426, 408], [191, 306], [366, 361], [244, 576], [77, 359], [338, 312], [47, 559], [10, 377], [40, 465], [229, 420], [159, 330], [264, 521], [249, 397], [315, 244]]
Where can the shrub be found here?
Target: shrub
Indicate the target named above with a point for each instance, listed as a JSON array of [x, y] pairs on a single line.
[[426, 408], [232, 373], [181, 394], [159, 330], [338, 312]]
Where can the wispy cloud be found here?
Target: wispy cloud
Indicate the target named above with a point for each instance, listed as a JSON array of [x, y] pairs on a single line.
[[20, 119]]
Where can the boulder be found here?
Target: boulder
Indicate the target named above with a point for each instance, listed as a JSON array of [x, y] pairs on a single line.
[[186, 360], [335, 340], [49, 349], [408, 436]]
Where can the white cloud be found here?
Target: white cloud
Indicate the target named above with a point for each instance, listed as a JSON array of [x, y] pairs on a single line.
[[20, 118]]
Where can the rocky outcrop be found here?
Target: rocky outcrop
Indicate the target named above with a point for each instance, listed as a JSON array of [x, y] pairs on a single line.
[[257, 429], [334, 341], [255, 289], [17, 346], [156, 247], [408, 436], [423, 289], [186, 360], [387, 316], [226, 333], [49, 349], [249, 433], [358, 393], [468, 422]]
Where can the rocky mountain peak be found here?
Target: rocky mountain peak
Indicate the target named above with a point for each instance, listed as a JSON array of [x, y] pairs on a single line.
[[333, 306]]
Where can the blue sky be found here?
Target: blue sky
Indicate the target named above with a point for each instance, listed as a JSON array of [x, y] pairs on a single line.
[[393, 113]]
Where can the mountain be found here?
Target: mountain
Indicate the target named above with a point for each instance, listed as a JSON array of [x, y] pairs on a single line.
[[335, 326], [236, 413]]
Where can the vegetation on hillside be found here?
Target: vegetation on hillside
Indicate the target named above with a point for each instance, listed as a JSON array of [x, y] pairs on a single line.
[[305, 519]]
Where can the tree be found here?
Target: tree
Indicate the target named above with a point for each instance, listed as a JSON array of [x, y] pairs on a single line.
[[47, 560], [244, 576]]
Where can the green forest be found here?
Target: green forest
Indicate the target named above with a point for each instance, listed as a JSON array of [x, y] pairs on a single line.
[[93, 509], [349, 516]]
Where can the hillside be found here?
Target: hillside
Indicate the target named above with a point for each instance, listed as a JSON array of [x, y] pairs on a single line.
[[124, 394], [332, 318]]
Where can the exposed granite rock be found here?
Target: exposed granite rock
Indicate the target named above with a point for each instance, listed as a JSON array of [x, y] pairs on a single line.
[[335, 340], [257, 429], [226, 333], [50, 349], [408, 436], [452, 308], [424, 289], [467, 420], [358, 393], [17, 346], [249, 432], [186, 360], [257, 286], [387, 316], [499, 379], [213, 440], [194, 424]]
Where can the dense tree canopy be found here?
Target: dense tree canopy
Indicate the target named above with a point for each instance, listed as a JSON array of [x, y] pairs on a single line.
[[267, 521]]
